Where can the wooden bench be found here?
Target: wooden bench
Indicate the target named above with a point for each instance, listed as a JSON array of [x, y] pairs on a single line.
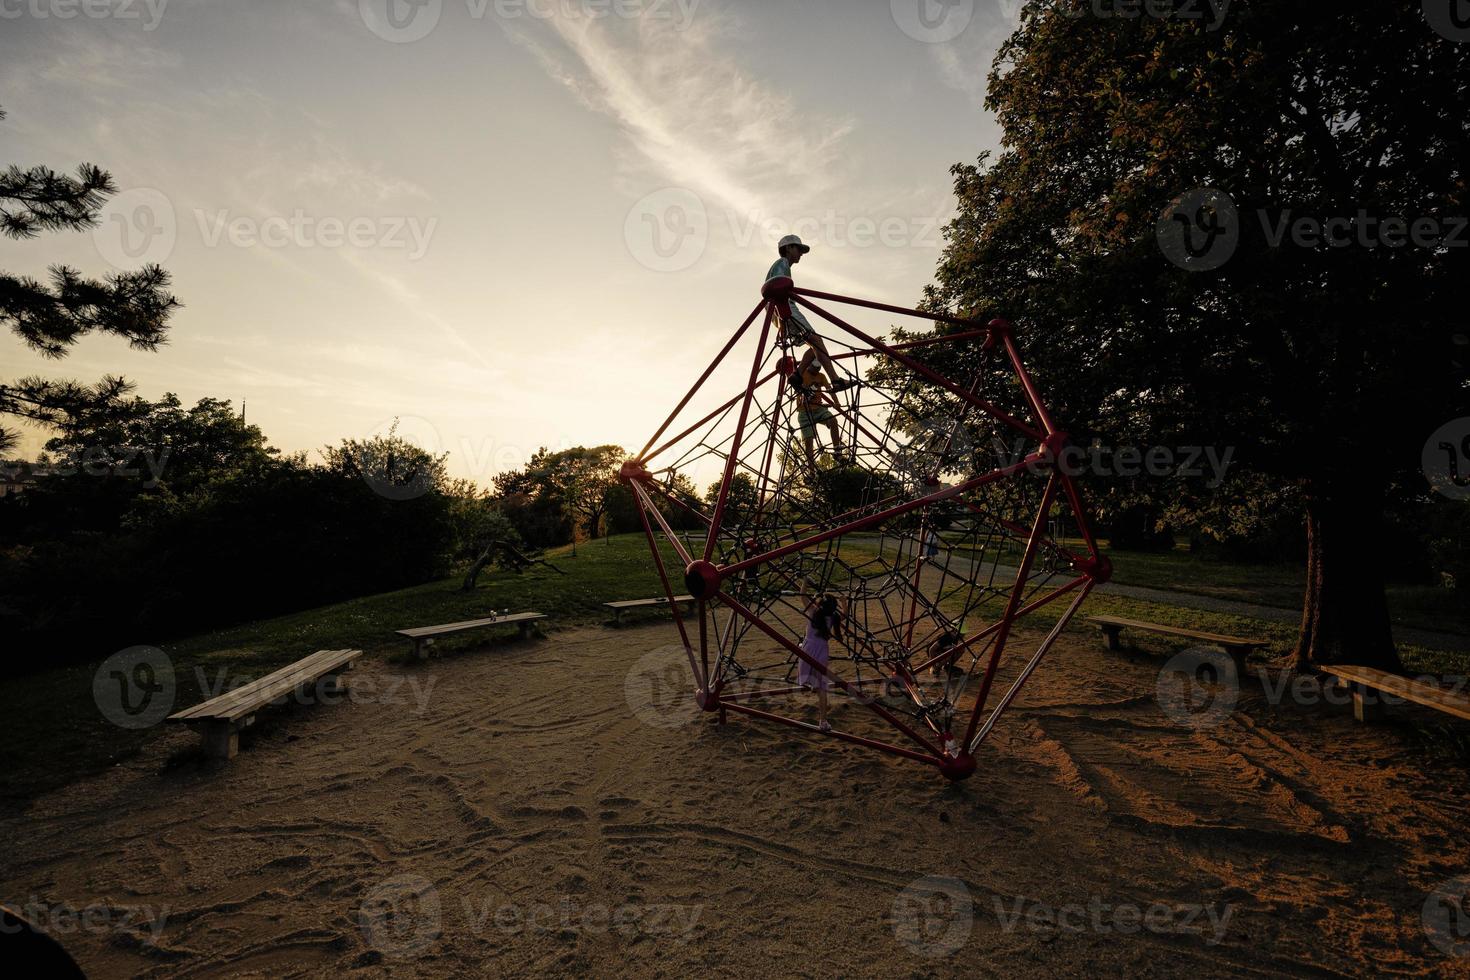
[[1236, 646], [624, 604], [423, 636], [220, 719], [1363, 679]]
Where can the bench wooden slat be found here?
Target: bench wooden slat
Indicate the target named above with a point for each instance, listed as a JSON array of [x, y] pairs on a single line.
[[635, 603], [1419, 692], [286, 679], [1234, 641], [421, 631], [235, 704]]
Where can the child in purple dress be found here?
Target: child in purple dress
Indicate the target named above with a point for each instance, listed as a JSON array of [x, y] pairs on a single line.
[[823, 622]]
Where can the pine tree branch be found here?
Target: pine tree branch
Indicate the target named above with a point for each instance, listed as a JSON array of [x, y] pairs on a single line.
[[132, 305], [40, 199]]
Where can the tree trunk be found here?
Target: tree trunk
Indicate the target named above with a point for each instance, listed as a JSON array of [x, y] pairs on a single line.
[[473, 574], [1345, 612]]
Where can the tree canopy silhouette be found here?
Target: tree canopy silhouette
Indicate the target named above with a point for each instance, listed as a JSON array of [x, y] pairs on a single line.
[[52, 317], [1324, 363]]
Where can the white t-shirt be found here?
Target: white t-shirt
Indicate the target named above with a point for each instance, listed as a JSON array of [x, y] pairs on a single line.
[[782, 268]]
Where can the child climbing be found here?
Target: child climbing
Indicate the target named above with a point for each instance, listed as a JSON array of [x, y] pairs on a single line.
[[823, 623], [794, 328], [811, 407], [947, 649]]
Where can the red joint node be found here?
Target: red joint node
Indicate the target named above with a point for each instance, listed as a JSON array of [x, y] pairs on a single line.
[[702, 578], [999, 330], [787, 366], [1052, 446], [778, 288], [957, 767], [633, 470], [1099, 569], [708, 700]]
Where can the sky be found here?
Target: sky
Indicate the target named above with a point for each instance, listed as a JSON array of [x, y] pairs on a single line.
[[505, 224]]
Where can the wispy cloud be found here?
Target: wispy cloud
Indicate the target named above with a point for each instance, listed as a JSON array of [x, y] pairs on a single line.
[[964, 63], [692, 115]]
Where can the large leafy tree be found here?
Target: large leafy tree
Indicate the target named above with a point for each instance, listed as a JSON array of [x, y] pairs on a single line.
[[1324, 366], [184, 448], [51, 317]]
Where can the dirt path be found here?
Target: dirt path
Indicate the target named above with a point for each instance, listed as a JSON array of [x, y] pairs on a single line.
[[525, 811]]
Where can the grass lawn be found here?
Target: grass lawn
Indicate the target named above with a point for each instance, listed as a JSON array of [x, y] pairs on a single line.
[[56, 732]]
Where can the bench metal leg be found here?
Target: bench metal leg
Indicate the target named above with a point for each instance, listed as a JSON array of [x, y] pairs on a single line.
[[421, 648], [1110, 637], [221, 740], [525, 630]]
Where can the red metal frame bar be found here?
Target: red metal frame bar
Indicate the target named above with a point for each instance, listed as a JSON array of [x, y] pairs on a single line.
[[746, 709], [718, 521], [723, 408], [1020, 682], [705, 376], [1009, 617], [864, 523], [929, 373], [873, 305], [881, 711], [712, 677]]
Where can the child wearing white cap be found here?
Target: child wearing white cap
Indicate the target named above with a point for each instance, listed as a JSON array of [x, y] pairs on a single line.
[[795, 327]]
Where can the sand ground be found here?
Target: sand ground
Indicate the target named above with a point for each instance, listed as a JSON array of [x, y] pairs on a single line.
[[523, 810]]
